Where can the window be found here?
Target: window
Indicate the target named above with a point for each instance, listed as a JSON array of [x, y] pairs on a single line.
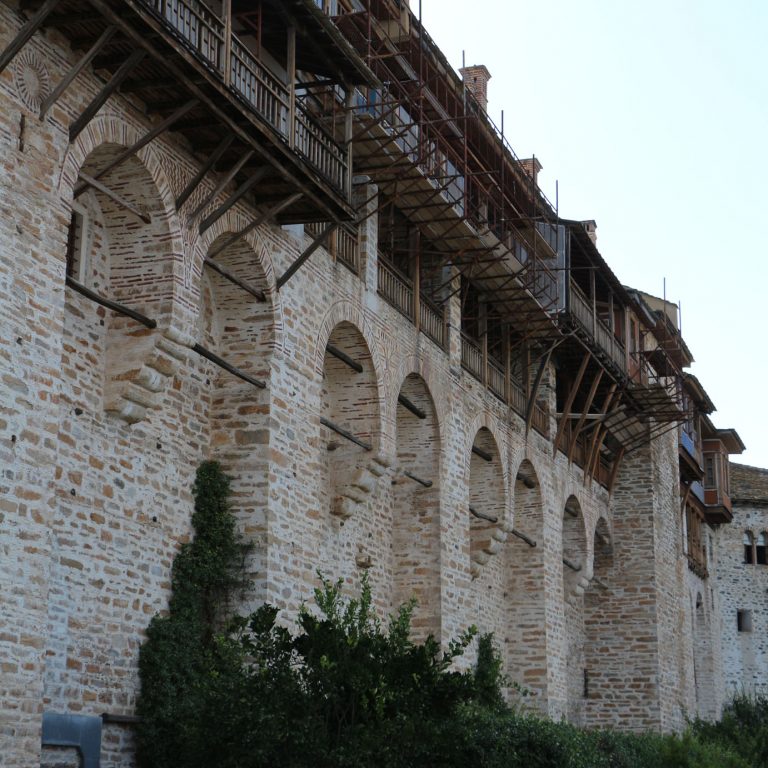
[[77, 246], [760, 549], [709, 471], [744, 621], [748, 548]]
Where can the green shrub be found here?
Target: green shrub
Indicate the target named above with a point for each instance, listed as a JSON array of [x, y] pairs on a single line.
[[349, 690]]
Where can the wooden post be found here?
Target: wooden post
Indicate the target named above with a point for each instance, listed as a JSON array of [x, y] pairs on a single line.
[[227, 63], [291, 64], [593, 291], [416, 251], [507, 360], [348, 126]]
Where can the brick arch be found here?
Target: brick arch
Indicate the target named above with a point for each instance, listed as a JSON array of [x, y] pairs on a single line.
[[494, 426], [524, 582], [345, 312], [416, 364], [415, 500], [111, 129], [484, 488], [227, 225]]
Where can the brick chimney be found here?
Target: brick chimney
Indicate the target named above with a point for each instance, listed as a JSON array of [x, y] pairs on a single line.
[[532, 166], [476, 80], [590, 225]]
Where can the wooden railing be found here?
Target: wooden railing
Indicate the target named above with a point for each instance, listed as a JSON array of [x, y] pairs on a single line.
[[318, 148], [517, 399], [472, 356], [342, 244], [540, 419], [395, 288], [432, 322], [398, 290], [203, 33], [264, 93], [581, 310], [496, 379]]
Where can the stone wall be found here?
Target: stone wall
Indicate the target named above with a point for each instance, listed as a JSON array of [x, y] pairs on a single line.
[[744, 586], [103, 422]]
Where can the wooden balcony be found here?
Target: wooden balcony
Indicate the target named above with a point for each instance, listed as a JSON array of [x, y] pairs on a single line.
[[343, 244], [250, 80], [183, 66], [491, 373], [398, 290], [583, 312]]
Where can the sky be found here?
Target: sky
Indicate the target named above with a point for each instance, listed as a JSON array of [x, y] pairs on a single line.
[[652, 117]]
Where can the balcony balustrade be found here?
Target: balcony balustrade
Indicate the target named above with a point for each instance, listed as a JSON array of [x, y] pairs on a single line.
[[261, 91], [581, 310]]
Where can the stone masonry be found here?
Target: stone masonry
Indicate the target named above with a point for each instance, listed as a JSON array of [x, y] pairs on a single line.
[[103, 423]]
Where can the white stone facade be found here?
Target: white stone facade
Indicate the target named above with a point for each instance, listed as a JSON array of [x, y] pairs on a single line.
[[743, 586]]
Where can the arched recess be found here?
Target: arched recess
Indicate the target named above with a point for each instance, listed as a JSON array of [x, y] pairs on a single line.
[[599, 620], [349, 423], [416, 507], [525, 639], [119, 247], [239, 328], [487, 500], [575, 581], [703, 661]]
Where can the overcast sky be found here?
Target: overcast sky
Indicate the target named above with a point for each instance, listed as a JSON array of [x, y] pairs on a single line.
[[653, 117]]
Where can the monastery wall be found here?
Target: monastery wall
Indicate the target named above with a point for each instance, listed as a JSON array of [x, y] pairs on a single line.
[[744, 586], [103, 422]]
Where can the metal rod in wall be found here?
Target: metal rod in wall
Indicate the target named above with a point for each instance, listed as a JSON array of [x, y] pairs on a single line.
[[484, 455], [411, 406], [482, 516], [109, 304], [344, 357], [214, 358], [345, 434]]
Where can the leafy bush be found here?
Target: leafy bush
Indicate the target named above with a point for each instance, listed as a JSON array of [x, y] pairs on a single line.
[[346, 690]]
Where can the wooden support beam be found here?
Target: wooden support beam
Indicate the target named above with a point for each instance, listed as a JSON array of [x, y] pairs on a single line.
[[121, 309], [66, 81], [535, 389], [344, 357], [107, 90], [524, 536], [570, 564], [214, 358], [484, 455], [345, 434], [119, 199], [204, 168], [141, 143], [569, 403], [316, 243], [225, 273], [585, 411], [291, 72], [26, 32], [482, 516], [257, 222], [411, 406], [228, 176], [226, 15], [212, 218], [593, 458], [615, 469], [419, 480]]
